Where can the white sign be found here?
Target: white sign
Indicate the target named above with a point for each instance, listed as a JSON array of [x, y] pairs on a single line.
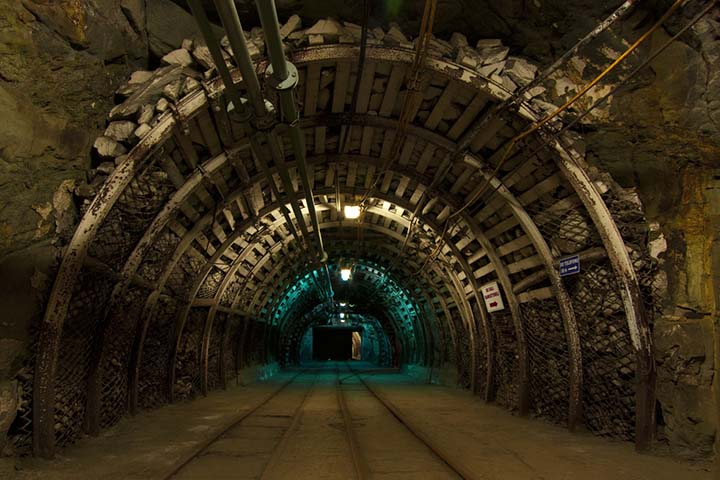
[[493, 298]]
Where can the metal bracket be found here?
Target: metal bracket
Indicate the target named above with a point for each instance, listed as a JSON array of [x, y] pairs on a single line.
[[243, 114], [290, 81]]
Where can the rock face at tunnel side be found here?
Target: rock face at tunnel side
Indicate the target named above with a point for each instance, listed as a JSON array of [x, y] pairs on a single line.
[[59, 82]]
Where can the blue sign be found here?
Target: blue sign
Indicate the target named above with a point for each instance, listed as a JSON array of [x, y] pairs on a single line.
[[570, 265]]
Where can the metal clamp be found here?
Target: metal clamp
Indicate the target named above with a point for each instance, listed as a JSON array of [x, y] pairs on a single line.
[[288, 83]]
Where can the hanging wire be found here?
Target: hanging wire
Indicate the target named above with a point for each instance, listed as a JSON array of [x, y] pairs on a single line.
[[536, 126], [413, 90]]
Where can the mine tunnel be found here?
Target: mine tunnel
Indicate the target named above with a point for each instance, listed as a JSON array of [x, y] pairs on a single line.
[[372, 239]]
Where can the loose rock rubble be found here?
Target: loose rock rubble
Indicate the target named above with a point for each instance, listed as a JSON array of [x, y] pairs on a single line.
[[148, 94]]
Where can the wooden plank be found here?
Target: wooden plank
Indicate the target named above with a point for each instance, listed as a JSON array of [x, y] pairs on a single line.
[[312, 88], [340, 86], [209, 133], [367, 140], [392, 90], [425, 158], [539, 294], [487, 133], [365, 89], [442, 104], [469, 114], [407, 150], [320, 133]]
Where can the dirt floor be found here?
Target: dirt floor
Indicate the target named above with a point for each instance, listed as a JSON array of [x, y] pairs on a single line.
[[325, 424]]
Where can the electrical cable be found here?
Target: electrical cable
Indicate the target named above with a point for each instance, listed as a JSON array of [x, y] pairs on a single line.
[[537, 125]]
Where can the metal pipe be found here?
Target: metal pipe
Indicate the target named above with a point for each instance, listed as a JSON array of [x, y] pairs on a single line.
[[285, 78], [273, 40], [263, 140], [233, 27], [216, 53]]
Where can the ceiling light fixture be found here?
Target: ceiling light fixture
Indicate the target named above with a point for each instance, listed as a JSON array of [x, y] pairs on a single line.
[[345, 274], [352, 211]]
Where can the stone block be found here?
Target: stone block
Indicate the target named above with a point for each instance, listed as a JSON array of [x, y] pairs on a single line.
[[330, 28], [142, 130], [458, 40], [494, 54], [146, 114], [106, 147], [178, 57], [120, 131], [484, 43], [395, 36], [316, 39], [520, 70], [293, 24], [106, 168], [172, 91], [202, 56]]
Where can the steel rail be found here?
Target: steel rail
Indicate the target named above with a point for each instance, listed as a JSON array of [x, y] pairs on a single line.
[[282, 445], [362, 470], [460, 470], [178, 466]]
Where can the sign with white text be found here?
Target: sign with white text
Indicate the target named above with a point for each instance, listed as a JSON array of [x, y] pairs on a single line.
[[569, 266], [493, 298]]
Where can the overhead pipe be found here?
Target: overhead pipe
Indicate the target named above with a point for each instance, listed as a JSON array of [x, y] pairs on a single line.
[[233, 27], [284, 77], [236, 37], [216, 53]]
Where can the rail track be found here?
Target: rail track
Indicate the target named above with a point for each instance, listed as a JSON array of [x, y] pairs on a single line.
[[290, 438]]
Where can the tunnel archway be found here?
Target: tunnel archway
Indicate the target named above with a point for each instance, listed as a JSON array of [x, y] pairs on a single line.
[[191, 262]]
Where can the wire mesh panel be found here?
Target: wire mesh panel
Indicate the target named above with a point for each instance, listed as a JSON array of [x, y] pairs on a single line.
[[231, 347], [183, 275], [20, 431], [215, 351], [629, 217], [187, 360], [79, 336], [548, 359], [130, 216], [158, 254], [152, 375], [19, 434], [121, 330], [449, 353], [506, 364], [254, 348], [211, 283], [464, 363], [481, 368], [608, 355]]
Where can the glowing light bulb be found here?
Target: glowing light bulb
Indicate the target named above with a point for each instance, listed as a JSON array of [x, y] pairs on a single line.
[[352, 211], [342, 316], [345, 274], [343, 304]]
